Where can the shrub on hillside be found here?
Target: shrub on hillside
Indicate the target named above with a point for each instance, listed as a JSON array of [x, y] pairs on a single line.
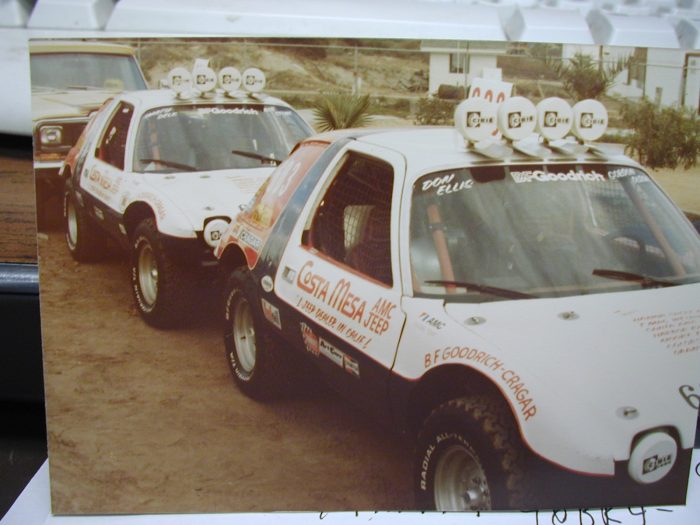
[[434, 111], [662, 137]]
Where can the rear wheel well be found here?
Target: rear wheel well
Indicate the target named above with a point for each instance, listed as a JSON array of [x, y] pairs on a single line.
[[135, 214], [443, 384]]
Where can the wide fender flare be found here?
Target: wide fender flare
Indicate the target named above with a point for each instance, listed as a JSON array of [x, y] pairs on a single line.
[[170, 219]]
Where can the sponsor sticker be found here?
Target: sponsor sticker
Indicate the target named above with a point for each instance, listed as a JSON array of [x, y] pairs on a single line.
[[267, 283], [331, 352], [352, 366], [521, 177], [310, 339], [271, 313], [250, 239]]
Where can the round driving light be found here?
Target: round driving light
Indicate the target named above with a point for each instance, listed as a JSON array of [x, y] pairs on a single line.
[[229, 79], [213, 231], [554, 118], [590, 120], [475, 119], [517, 117], [179, 80], [652, 457], [204, 78], [253, 80]]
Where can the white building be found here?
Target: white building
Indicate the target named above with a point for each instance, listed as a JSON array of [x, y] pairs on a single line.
[[666, 76], [456, 63]]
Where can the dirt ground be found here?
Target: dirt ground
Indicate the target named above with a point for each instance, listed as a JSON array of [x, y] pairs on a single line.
[[142, 420]]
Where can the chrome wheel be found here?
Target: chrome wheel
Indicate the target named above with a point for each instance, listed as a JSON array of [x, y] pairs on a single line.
[[148, 274], [244, 335], [460, 481], [71, 223]]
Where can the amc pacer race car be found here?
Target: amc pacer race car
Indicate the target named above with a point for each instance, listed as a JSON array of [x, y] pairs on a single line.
[[527, 306], [163, 170]]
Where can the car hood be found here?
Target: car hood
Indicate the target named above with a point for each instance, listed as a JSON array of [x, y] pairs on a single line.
[[202, 195], [591, 356], [67, 104]]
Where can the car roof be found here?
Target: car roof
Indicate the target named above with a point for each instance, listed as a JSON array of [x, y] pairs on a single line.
[[430, 148], [154, 98], [77, 46]]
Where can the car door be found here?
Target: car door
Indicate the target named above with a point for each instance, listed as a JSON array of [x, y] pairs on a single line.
[[104, 175], [339, 276]]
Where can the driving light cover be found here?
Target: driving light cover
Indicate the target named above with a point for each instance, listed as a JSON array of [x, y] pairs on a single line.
[[253, 80], [590, 120], [554, 118], [214, 230], [229, 79], [180, 80], [652, 457], [51, 135], [517, 118], [475, 119], [204, 78]]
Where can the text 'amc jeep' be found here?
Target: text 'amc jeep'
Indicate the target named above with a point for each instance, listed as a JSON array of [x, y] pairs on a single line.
[[527, 306]]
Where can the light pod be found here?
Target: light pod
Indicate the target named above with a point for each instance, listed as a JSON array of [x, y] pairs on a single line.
[[230, 79], [179, 80], [475, 119], [590, 120], [204, 78], [517, 118], [253, 80], [213, 231], [554, 118]]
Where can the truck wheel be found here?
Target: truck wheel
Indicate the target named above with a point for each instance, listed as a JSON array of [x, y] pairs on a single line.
[[251, 351], [469, 457], [83, 238], [160, 286]]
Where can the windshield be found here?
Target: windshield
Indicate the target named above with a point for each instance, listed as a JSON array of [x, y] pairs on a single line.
[[85, 71], [517, 232], [216, 137]]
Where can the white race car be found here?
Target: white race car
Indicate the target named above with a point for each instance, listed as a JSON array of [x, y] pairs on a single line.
[[163, 171], [527, 306]]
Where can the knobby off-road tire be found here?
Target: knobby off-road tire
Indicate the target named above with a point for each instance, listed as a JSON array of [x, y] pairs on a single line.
[[469, 457], [160, 286], [83, 238], [252, 352]]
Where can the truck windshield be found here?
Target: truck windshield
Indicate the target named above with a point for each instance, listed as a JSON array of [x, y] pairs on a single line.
[[76, 71], [216, 137], [518, 232]]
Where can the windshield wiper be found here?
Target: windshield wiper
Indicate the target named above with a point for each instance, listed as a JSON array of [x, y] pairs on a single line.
[[256, 156], [481, 288], [644, 280]]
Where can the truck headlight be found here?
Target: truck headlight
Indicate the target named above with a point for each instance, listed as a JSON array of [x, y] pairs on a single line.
[[51, 135]]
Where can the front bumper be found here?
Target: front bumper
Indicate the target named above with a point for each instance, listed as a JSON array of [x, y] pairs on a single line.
[[558, 488], [194, 253]]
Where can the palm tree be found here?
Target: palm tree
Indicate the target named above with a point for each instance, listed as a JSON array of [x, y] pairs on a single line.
[[585, 78], [341, 110]]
